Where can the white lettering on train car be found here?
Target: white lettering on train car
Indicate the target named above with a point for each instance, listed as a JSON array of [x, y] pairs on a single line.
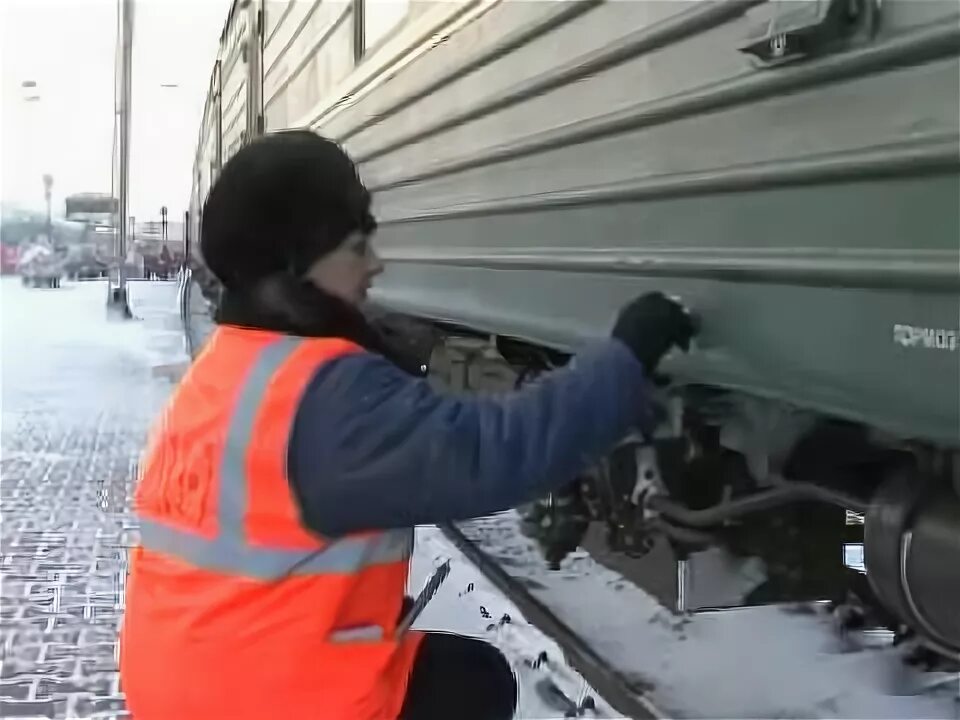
[[913, 337]]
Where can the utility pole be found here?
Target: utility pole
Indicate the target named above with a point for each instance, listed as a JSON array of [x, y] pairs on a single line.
[[186, 238], [118, 296], [47, 195]]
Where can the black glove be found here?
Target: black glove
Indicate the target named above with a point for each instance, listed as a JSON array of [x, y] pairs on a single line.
[[653, 324]]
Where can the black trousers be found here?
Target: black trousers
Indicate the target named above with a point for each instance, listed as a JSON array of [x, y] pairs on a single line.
[[457, 677]]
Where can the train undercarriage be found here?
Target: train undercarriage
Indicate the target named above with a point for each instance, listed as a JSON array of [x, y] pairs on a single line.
[[786, 490]]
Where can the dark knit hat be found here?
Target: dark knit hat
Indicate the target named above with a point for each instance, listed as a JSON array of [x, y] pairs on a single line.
[[283, 201]]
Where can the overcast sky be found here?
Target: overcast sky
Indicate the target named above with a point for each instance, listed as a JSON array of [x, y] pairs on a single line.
[[68, 47]]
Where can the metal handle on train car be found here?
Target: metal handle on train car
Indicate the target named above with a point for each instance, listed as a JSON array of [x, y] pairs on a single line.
[[799, 30]]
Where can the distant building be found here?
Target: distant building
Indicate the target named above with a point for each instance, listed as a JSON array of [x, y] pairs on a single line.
[[95, 209], [91, 255]]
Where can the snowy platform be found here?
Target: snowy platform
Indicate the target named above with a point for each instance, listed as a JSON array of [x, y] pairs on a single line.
[[78, 393]]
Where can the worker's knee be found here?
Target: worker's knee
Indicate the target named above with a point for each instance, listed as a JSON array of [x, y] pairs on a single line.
[[457, 676]]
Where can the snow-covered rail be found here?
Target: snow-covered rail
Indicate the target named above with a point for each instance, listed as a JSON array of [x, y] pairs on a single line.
[[781, 660], [625, 694]]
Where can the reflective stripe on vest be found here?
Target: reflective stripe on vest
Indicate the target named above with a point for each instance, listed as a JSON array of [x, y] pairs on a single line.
[[230, 552]]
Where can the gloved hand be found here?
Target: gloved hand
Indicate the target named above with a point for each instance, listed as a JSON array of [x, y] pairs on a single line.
[[651, 326]]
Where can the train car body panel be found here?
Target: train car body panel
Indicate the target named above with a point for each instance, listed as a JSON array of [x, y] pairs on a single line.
[[535, 165], [809, 212]]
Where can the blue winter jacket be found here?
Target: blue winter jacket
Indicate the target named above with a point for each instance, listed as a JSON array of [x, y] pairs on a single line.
[[374, 448]]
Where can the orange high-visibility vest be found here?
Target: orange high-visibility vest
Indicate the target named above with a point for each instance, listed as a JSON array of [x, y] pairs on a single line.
[[233, 608]]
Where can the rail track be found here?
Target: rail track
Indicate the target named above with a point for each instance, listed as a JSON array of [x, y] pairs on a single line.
[[624, 694]]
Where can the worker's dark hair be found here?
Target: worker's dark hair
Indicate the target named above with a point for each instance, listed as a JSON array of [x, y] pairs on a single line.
[[280, 203]]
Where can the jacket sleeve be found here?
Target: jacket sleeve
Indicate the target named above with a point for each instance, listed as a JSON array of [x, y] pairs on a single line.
[[375, 448]]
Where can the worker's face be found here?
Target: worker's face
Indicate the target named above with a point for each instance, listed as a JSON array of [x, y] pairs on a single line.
[[347, 272]]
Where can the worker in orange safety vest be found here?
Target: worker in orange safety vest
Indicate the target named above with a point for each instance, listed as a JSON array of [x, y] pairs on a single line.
[[279, 490]]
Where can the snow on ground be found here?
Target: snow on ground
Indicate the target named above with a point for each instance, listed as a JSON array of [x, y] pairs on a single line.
[[57, 344], [768, 662], [468, 604], [78, 395]]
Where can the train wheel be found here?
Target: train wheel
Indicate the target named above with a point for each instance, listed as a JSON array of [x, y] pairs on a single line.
[[912, 554]]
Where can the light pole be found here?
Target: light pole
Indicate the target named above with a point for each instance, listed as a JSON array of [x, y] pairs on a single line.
[[117, 300], [31, 97], [47, 195]]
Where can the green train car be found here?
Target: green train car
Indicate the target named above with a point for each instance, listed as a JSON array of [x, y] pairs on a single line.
[[790, 169]]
